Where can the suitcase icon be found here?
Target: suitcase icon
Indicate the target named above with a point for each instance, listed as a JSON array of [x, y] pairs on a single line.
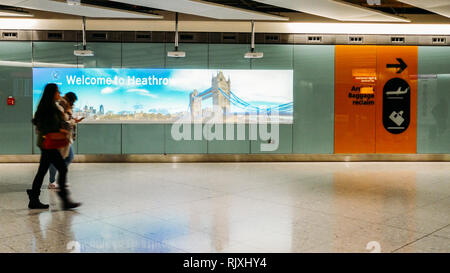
[[397, 118]]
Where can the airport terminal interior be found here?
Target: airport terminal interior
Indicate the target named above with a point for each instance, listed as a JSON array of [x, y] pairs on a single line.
[[225, 126]]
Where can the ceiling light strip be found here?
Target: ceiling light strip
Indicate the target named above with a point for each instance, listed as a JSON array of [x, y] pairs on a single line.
[[379, 29]]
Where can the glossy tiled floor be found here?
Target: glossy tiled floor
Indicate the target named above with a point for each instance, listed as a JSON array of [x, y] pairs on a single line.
[[242, 207]]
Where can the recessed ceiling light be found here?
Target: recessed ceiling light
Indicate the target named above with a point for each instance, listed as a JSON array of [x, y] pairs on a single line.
[[73, 2]]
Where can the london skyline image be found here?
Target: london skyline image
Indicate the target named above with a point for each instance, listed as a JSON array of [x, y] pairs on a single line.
[[164, 95]]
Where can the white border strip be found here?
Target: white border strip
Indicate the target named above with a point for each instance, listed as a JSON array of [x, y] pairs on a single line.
[[222, 26], [391, 29]]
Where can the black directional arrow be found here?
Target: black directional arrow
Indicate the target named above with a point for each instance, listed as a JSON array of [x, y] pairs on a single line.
[[401, 65]]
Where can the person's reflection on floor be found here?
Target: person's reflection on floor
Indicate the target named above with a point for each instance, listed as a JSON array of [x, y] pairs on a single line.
[[51, 230], [440, 114], [37, 232], [63, 220]]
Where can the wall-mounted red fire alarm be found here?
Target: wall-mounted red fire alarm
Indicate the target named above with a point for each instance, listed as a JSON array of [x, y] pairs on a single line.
[[11, 100]]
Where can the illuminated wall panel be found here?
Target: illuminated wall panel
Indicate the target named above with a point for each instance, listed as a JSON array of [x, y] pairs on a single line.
[[354, 128], [375, 99], [396, 100]]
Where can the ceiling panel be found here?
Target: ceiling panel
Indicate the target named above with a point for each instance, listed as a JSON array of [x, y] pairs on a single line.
[[81, 10], [337, 10], [10, 2], [205, 9], [11, 13], [441, 7]]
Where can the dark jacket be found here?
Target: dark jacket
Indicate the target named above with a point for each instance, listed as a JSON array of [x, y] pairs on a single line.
[[47, 125]]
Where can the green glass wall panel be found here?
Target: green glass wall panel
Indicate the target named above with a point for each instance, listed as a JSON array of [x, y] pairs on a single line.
[[143, 55], [233, 146], [196, 56], [75, 143], [106, 55], [99, 138], [16, 81], [228, 56], [15, 52], [192, 146], [143, 138], [275, 57], [15, 138], [434, 60], [54, 52], [35, 148], [313, 129], [433, 114], [284, 141]]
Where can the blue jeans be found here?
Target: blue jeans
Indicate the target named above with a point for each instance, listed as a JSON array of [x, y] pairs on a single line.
[[67, 160]]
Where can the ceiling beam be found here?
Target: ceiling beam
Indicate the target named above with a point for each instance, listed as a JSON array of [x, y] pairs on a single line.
[[81, 10], [441, 7], [206, 9], [334, 9]]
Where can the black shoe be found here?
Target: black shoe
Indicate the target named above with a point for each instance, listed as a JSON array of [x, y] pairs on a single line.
[[71, 205], [34, 201], [67, 203]]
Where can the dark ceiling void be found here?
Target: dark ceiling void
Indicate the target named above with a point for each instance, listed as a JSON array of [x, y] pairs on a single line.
[[119, 5], [388, 6], [9, 8], [250, 5]]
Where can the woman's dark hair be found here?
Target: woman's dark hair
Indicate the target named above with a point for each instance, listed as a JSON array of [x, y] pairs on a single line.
[[46, 108]]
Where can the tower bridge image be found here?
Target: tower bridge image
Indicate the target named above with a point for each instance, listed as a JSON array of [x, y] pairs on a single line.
[[223, 98], [219, 91]]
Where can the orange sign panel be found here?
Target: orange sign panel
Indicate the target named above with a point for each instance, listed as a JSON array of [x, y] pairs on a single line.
[[354, 105], [375, 99], [396, 102]]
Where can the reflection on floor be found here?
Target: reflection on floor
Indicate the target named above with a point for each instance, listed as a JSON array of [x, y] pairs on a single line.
[[233, 207]]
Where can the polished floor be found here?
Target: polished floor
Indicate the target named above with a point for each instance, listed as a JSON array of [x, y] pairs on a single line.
[[233, 207]]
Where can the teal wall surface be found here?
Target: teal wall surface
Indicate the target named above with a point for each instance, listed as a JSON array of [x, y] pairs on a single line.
[[228, 56], [310, 133], [143, 138], [16, 80], [313, 128], [143, 55], [433, 100], [106, 55], [191, 146], [99, 139]]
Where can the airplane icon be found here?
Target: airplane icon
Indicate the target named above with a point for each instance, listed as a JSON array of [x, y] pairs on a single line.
[[398, 92]]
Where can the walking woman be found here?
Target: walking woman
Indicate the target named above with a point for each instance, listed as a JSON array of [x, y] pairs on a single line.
[[52, 136]]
